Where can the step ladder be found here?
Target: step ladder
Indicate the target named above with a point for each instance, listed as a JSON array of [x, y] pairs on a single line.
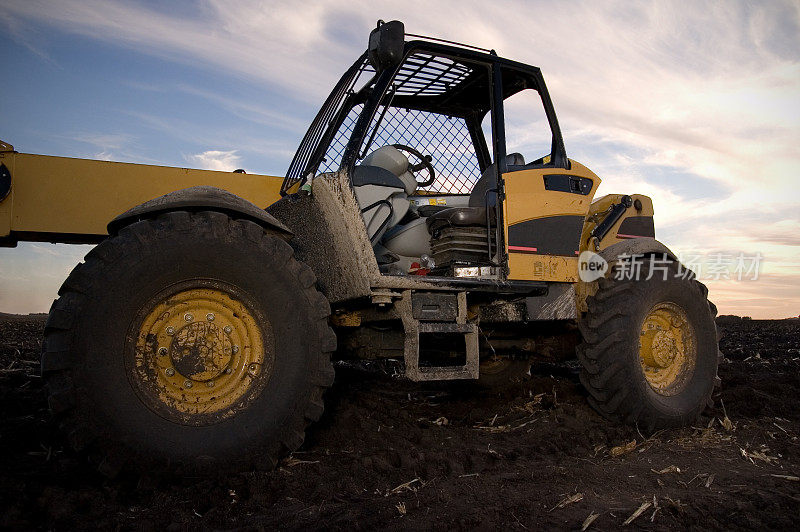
[[437, 313]]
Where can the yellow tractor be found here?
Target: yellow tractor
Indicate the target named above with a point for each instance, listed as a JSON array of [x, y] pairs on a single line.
[[199, 333]]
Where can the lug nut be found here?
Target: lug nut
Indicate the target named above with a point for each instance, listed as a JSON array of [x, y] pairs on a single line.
[[170, 330], [227, 329], [210, 316], [227, 371], [210, 384], [187, 384], [162, 351], [235, 349], [170, 372], [188, 317]]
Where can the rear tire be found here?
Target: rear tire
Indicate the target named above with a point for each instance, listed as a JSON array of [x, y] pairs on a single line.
[[191, 342], [650, 350]]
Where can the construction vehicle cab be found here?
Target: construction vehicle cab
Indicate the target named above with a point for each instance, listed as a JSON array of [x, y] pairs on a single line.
[[420, 137]]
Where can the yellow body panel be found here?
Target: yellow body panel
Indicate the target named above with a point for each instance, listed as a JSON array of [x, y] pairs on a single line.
[[527, 199], [80, 196], [542, 268]]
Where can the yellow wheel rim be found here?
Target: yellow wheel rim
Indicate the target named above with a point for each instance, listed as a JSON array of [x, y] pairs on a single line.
[[201, 354], [667, 348]]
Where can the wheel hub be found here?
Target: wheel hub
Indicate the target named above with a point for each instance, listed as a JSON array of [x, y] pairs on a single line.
[[201, 351], [200, 354], [667, 348]]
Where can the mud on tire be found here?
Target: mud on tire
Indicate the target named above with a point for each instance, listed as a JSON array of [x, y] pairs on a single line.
[[92, 335], [614, 368]]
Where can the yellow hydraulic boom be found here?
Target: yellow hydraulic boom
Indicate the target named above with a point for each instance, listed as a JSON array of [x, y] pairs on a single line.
[[61, 199]]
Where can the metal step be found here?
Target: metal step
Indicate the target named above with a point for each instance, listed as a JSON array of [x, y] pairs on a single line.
[[415, 328]]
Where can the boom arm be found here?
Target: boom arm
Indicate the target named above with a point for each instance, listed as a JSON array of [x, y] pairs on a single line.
[[60, 199]]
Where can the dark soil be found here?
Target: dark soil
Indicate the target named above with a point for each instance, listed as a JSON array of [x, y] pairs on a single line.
[[392, 454]]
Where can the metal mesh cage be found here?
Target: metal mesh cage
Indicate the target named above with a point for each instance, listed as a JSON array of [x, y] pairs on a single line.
[[428, 75], [333, 157], [445, 138]]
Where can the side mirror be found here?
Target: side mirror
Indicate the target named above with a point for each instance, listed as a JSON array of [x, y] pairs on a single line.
[[386, 44]]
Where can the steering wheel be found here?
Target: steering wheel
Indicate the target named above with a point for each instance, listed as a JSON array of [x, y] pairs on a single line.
[[424, 162]]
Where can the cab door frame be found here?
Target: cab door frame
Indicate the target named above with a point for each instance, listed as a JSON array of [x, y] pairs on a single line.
[[556, 193]]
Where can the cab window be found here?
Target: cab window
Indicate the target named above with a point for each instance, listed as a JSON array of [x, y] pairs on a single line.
[[527, 129]]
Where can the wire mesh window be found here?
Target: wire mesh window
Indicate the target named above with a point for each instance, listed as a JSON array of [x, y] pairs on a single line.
[[446, 139], [333, 156]]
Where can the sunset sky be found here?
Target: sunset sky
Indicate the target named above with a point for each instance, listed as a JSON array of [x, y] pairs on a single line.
[[696, 104]]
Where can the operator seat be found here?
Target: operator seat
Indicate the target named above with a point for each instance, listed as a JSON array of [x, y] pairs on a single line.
[[413, 239], [482, 195], [382, 184], [462, 235]]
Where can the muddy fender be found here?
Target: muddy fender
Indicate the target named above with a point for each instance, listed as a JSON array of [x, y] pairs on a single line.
[[199, 198]]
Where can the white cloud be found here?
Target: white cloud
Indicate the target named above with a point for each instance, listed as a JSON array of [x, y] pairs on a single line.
[[104, 141], [27, 37], [185, 130], [250, 111], [278, 43], [223, 161]]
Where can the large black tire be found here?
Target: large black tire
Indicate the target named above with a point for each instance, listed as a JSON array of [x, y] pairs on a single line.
[[90, 340], [613, 370]]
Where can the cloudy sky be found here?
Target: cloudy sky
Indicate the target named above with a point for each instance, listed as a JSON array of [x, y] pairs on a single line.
[[696, 104]]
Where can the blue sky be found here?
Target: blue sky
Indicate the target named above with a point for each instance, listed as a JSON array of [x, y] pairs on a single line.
[[695, 104]]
